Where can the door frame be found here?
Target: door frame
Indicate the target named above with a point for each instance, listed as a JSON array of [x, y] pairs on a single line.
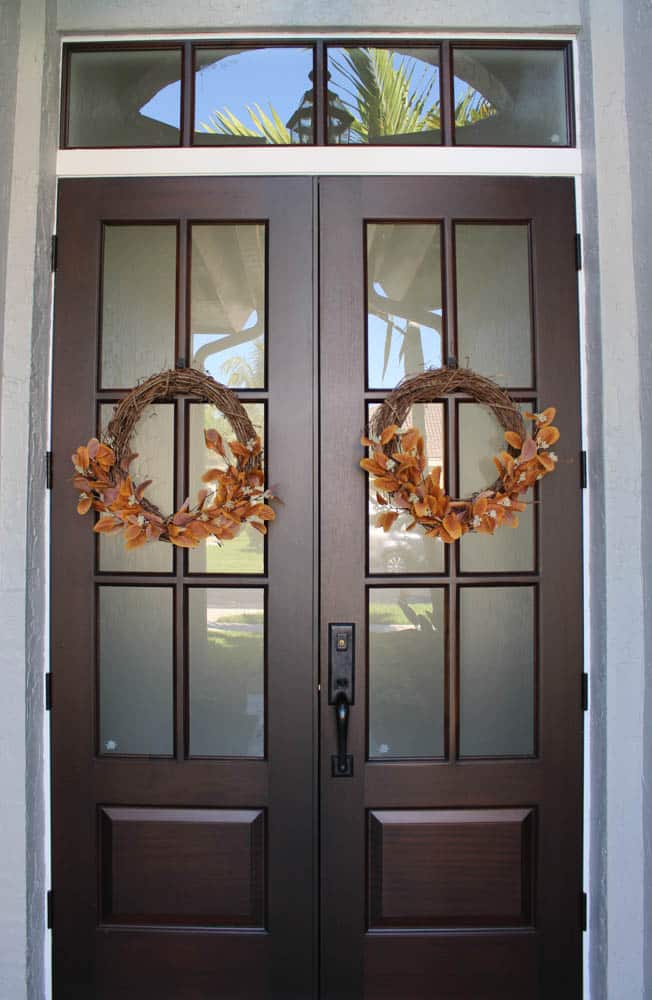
[[324, 161]]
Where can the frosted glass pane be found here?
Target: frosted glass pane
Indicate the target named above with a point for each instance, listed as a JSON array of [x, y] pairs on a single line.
[[139, 281], [406, 672], [496, 671], [246, 552], [124, 98], [226, 630], [493, 302], [401, 106], [510, 97], [254, 96], [510, 549], [398, 551], [136, 670], [154, 443], [404, 301], [228, 303]]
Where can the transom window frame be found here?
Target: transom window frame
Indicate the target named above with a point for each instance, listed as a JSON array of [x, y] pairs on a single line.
[[444, 46]]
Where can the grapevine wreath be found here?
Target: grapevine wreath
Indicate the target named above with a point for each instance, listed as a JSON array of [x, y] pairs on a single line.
[[233, 496], [405, 487]]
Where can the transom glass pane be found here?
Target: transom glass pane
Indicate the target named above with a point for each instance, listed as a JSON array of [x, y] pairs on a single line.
[[398, 551], [510, 97], [124, 98], [139, 280], [226, 636], [497, 659], [404, 301], [254, 96], [246, 552], [406, 672], [384, 96], [227, 310], [494, 323], [136, 670]]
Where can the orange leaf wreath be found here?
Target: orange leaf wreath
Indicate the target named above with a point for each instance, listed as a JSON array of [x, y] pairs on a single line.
[[405, 487], [233, 496]]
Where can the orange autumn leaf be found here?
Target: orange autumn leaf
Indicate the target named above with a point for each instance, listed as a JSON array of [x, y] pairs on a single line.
[[386, 519], [386, 483], [239, 450], [546, 461], [264, 512], [369, 465], [389, 434], [452, 526], [262, 528], [514, 440], [547, 436], [409, 439], [84, 505], [214, 441], [107, 526]]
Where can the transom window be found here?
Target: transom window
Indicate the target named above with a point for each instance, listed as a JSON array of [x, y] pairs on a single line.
[[440, 93]]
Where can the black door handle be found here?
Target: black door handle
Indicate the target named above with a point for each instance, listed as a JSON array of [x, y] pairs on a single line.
[[341, 693], [343, 762]]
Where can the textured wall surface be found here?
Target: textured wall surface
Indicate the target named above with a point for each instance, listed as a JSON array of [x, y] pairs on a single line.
[[13, 399], [24, 368], [220, 15], [638, 45], [621, 572]]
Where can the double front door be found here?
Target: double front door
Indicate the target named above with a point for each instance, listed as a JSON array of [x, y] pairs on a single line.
[[205, 843]]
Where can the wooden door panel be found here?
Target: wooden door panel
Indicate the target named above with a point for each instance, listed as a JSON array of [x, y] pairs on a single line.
[[182, 867], [170, 874], [450, 868], [468, 892]]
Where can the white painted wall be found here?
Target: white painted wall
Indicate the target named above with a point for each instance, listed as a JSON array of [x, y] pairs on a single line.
[[615, 37]]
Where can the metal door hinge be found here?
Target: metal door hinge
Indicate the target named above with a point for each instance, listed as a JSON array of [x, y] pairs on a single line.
[[578, 252], [48, 470], [49, 906], [585, 911], [584, 475], [53, 253], [585, 692], [48, 692]]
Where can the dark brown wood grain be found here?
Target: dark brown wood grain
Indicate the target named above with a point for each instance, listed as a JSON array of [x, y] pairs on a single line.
[[450, 868], [531, 871], [439, 879], [91, 958], [183, 867]]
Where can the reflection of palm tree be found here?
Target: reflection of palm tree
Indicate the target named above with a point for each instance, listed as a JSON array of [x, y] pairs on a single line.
[[385, 99], [246, 371]]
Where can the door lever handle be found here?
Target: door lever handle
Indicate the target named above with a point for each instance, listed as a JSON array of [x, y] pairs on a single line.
[[343, 762], [341, 692]]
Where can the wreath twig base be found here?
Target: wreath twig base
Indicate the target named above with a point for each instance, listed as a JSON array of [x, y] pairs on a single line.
[[233, 495], [406, 487]]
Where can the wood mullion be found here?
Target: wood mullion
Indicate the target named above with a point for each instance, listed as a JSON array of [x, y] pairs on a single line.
[[320, 103], [187, 94], [446, 94]]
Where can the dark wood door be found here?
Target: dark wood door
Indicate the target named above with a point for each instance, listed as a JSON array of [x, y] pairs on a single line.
[[451, 859], [188, 712], [183, 683]]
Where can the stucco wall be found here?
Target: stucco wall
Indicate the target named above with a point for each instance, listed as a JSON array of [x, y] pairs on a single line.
[[221, 15], [638, 46], [615, 39]]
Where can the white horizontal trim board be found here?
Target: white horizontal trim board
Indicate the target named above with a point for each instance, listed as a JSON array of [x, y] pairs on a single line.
[[318, 160], [309, 34]]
